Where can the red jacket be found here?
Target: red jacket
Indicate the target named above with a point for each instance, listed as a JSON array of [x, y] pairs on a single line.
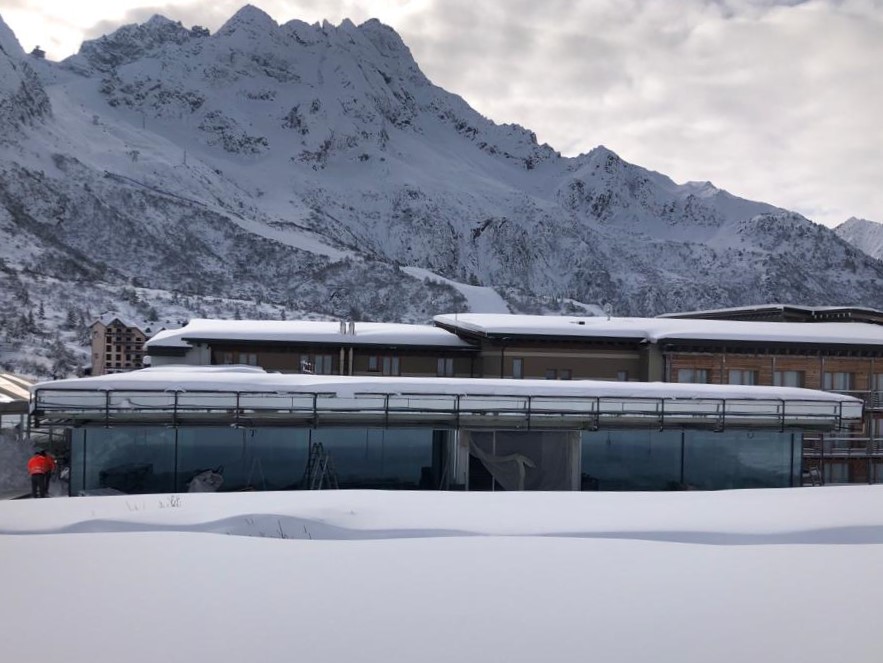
[[39, 465]]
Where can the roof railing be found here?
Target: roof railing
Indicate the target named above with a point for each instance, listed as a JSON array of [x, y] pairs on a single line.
[[177, 407]]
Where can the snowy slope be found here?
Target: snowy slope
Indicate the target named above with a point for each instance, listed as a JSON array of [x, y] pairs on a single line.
[[867, 236], [306, 165]]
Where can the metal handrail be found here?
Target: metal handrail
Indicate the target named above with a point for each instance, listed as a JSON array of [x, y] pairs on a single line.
[[872, 398], [520, 409]]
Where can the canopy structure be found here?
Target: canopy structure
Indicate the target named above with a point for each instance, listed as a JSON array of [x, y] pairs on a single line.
[[14, 394], [252, 397]]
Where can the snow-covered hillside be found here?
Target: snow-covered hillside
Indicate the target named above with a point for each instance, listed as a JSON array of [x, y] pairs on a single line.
[[865, 235], [305, 165]]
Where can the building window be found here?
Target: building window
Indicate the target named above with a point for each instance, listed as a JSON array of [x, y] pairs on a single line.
[[445, 367], [623, 376], [693, 375], [565, 374], [386, 364], [391, 366], [837, 473], [318, 364], [518, 368], [226, 357], [877, 382], [551, 374], [324, 364], [789, 378], [249, 358], [741, 376], [838, 381]]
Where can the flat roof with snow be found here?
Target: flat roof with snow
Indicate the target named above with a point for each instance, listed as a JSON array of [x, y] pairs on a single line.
[[306, 331], [14, 394], [658, 330], [250, 396]]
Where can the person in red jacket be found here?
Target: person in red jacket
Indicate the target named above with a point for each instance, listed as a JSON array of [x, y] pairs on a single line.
[[39, 467]]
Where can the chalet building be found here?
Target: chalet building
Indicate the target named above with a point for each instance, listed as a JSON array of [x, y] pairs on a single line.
[[118, 344]]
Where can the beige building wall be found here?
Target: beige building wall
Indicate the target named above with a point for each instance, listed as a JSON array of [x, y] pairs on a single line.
[[116, 348]]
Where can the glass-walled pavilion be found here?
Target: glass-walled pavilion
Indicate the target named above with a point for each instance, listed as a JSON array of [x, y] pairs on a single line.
[[157, 431]]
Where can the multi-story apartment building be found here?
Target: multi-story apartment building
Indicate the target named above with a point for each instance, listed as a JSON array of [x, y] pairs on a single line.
[[118, 344]]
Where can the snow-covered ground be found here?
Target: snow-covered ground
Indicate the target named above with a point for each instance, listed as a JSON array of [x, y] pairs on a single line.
[[766, 575], [481, 299]]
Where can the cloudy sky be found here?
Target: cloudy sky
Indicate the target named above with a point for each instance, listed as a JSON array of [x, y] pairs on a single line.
[[773, 100]]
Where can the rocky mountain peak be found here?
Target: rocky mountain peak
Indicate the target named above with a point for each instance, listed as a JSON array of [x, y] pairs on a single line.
[[130, 43], [865, 235], [252, 20], [9, 45], [23, 100]]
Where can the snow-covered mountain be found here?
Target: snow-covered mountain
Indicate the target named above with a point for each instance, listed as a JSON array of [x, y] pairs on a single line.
[[303, 165], [865, 235]]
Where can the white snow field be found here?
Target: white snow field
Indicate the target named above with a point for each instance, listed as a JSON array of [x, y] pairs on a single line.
[[335, 576]]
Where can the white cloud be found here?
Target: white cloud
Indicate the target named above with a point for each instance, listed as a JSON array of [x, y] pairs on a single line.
[[775, 101]]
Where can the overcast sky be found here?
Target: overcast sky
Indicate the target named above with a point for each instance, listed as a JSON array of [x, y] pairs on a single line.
[[773, 100]]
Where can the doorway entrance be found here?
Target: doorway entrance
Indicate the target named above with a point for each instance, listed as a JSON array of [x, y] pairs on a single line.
[[523, 460]]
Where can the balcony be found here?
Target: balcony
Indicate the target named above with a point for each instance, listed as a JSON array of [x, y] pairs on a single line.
[[844, 447], [873, 400]]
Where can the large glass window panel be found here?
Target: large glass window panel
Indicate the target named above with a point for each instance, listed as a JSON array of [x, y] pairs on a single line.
[[379, 458], [739, 459], [247, 459], [129, 460], [631, 460]]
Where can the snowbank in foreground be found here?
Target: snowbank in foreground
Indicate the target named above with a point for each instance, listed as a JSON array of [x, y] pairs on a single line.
[[769, 575]]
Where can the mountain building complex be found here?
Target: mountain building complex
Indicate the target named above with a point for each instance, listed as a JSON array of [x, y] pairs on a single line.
[[485, 401]]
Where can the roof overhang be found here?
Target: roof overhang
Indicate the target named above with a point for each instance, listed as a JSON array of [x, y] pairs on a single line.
[[254, 398]]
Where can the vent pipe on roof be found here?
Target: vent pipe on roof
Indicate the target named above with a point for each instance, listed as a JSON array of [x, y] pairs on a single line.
[[342, 327], [352, 327]]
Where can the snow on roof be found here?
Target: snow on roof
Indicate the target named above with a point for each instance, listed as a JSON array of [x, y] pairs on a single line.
[[307, 331], [13, 388], [661, 329], [772, 307], [253, 379], [107, 319]]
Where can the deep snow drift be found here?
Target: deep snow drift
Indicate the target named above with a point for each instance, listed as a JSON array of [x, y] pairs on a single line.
[[765, 575]]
